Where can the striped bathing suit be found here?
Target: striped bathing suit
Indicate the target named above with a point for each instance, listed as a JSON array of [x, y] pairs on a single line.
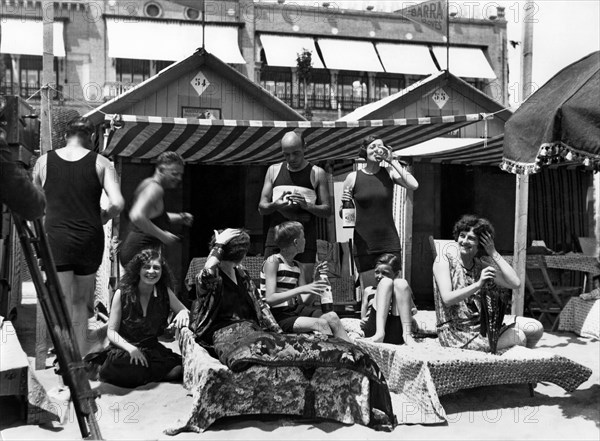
[[288, 277]]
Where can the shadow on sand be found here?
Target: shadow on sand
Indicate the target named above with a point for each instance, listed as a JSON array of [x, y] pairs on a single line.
[[514, 397]]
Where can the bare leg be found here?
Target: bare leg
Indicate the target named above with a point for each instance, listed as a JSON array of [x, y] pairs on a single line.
[[383, 297], [532, 329], [402, 306], [309, 324], [65, 278], [335, 324], [83, 288], [511, 337]]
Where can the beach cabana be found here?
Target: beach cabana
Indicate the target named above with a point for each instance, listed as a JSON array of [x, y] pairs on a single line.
[[170, 112], [456, 171]]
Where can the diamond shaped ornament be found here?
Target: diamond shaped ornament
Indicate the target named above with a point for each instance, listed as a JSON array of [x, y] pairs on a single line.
[[440, 97], [200, 83]]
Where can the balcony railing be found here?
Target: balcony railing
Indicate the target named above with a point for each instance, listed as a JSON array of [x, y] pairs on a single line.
[[323, 102], [115, 88], [26, 90]]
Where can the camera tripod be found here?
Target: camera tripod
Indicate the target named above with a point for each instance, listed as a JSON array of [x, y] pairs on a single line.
[[50, 297]]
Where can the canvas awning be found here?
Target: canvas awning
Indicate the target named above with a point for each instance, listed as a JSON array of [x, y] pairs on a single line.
[[283, 50], [467, 62], [355, 55], [170, 41], [26, 37], [463, 151], [409, 59], [230, 142]]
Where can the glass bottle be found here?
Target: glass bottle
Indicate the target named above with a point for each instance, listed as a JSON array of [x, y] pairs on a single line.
[[327, 295], [348, 214]]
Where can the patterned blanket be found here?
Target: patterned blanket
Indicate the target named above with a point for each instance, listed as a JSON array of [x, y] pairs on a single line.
[[245, 344], [341, 395], [419, 374], [581, 317]]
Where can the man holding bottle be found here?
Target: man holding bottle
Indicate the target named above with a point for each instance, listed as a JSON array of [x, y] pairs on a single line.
[[295, 190]]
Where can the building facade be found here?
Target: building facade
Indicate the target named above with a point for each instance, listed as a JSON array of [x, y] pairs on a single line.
[[104, 47]]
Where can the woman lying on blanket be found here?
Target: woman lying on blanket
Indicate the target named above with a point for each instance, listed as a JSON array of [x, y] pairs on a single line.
[[231, 319], [387, 309], [460, 279], [138, 316]]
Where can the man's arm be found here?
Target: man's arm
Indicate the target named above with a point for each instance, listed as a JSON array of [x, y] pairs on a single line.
[[321, 207], [112, 187], [16, 189], [141, 211], [265, 206]]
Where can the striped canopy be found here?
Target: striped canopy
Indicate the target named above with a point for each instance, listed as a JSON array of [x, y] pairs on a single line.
[[234, 142], [484, 152]]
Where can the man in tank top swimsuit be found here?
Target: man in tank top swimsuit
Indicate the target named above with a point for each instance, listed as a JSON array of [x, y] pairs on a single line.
[[295, 190]]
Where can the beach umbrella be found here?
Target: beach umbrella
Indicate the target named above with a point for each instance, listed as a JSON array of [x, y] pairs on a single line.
[[560, 122]]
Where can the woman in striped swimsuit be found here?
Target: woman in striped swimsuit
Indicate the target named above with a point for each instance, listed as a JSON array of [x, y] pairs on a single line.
[[284, 286]]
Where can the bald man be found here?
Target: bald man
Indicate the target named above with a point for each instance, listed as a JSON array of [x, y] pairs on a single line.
[[295, 190]]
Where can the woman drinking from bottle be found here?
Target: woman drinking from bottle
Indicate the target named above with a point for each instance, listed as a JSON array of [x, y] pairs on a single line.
[[372, 189]]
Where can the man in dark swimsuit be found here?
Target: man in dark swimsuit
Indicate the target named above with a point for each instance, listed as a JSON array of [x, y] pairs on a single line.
[[150, 222], [295, 190], [73, 178]]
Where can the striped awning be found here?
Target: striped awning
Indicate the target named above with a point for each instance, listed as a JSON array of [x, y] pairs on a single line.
[[478, 153], [231, 142]]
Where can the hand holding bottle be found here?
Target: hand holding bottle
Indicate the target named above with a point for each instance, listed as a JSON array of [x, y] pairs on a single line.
[[348, 210]]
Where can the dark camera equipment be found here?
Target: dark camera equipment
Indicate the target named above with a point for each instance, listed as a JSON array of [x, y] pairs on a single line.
[[20, 128]]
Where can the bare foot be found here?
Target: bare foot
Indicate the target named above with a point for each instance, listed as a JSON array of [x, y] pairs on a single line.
[[377, 338]]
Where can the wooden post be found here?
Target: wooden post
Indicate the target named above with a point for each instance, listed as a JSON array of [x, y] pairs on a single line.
[[520, 246], [47, 76], [407, 246], [597, 213], [522, 181], [41, 346]]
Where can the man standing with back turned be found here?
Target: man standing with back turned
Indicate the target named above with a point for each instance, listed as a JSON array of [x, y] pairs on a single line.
[[295, 190]]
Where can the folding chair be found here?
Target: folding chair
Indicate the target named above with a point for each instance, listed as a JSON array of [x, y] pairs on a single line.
[[440, 247], [546, 298], [588, 247]]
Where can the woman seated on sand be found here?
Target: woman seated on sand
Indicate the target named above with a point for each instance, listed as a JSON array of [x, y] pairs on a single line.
[[138, 316], [387, 309], [458, 280]]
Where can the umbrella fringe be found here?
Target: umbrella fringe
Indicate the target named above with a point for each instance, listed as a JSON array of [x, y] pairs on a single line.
[[552, 153]]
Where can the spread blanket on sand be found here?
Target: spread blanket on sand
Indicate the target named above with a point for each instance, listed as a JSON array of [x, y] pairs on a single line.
[[418, 375], [298, 375]]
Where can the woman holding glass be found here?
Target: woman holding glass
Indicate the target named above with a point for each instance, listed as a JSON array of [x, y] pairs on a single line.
[[372, 189]]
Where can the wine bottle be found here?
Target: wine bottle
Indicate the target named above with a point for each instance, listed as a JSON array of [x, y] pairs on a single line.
[[327, 296], [348, 214]]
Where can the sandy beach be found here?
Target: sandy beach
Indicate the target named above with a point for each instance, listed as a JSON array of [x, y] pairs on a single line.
[[490, 413]]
